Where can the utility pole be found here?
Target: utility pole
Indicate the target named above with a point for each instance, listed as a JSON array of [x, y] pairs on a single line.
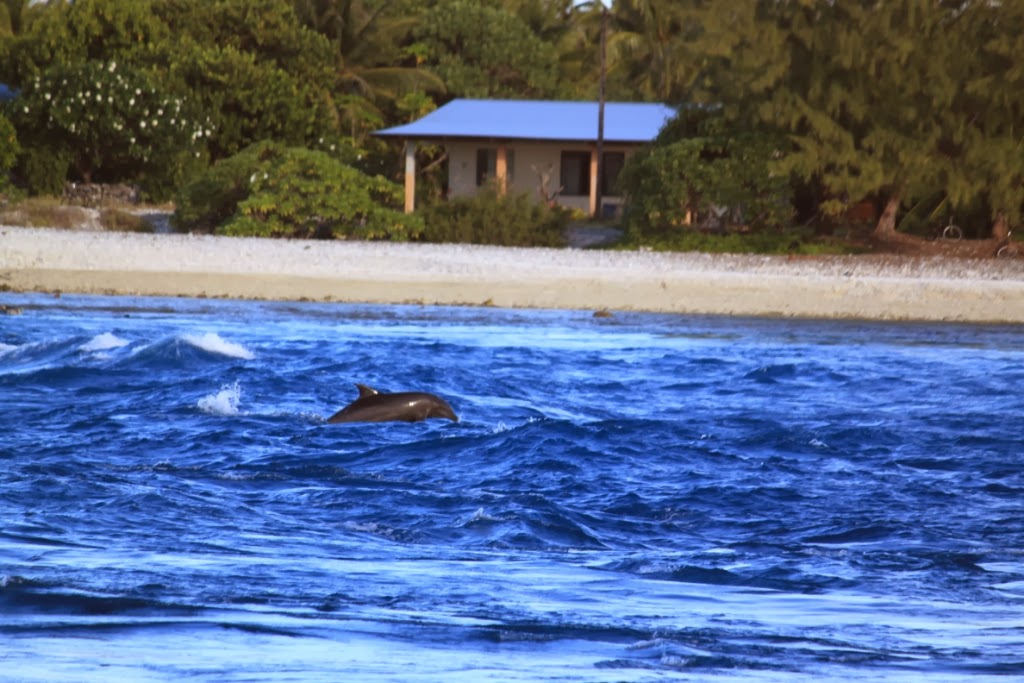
[[600, 112]]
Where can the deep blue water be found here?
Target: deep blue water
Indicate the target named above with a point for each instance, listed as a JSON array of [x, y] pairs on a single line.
[[634, 498]]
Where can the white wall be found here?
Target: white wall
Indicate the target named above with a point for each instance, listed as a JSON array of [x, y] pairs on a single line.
[[530, 157]]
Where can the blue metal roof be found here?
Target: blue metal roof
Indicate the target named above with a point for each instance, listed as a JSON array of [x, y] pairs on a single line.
[[537, 120]]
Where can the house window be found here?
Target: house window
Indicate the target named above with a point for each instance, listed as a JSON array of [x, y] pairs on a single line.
[[487, 165], [610, 168], [575, 174]]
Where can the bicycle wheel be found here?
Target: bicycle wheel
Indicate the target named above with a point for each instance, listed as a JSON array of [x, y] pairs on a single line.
[[952, 232], [1007, 251]]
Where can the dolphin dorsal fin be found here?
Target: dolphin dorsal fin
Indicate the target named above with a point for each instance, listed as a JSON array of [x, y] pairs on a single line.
[[365, 390]]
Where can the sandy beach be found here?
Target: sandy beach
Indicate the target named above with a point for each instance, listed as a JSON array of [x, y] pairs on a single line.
[[849, 287]]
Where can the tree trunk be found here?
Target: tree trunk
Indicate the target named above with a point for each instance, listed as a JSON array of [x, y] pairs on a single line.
[[83, 168], [1001, 227], [886, 226]]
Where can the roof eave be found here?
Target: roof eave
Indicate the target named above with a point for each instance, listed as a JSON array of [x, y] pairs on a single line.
[[495, 138]]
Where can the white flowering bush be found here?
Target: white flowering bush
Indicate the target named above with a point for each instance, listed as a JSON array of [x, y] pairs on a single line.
[[113, 122]]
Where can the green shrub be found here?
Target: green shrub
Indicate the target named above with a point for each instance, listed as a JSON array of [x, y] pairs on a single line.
[[250, 99], [9, 148], [43, 169], [210, 200], [268, 190], [488, 218], [253, 67], [9, 151], [698, 164]]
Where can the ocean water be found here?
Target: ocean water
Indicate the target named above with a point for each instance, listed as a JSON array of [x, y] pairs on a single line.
[[633, 498]]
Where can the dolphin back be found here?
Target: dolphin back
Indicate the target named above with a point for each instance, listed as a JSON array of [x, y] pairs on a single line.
[[406, 406]]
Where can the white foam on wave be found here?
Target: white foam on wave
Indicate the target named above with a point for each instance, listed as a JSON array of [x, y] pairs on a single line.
[[481, 516], [502, 427], [6, 348], [103, 342], [214, 343], [372, 528], [224, 402]]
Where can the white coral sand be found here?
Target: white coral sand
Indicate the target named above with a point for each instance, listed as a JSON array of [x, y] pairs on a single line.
[[864, 287]]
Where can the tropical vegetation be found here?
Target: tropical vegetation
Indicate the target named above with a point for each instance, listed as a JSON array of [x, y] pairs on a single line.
[[269, 190], [492, 218], [792, 112]]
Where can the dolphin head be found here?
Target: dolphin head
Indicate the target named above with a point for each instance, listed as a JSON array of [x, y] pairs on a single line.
[[440, 408]]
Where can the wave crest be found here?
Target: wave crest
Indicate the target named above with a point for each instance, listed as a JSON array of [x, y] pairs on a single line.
[[224, 402], [212, 342], [103, 342]]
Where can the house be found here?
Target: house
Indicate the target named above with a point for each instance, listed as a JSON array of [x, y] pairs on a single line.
[[547, 149]]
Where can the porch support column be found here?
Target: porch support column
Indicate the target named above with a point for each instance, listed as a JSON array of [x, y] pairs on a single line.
[[501, 169], [410, 176], [593, 183]]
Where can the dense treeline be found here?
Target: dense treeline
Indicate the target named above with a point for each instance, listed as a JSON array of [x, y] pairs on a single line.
[[789, 107]]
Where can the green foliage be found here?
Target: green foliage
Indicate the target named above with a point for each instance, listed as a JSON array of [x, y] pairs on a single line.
[[484, 51], [85, 30], [898, 99], [43, 169], [112, 121], [488, 218], [212, 198], [682, 176], [376, 65], [269, 190], [249, 65], [9, 148], [651, 48], [10, 14], [309, 194], [268, 29], [250, 99], [257, 72]]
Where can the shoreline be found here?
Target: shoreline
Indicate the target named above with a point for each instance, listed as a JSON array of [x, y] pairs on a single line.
[[873, 287]]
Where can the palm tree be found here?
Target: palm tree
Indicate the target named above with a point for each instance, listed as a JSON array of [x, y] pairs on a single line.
[[572, 28], [12, 16], [374, 65], [652, 46], [548, 19]]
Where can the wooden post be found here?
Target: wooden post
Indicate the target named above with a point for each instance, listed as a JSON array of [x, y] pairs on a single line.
[[593, 183], [410, 176], [501, 169]]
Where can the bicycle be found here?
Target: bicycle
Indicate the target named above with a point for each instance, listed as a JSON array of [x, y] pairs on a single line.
[[952, 232], [1008, 248]]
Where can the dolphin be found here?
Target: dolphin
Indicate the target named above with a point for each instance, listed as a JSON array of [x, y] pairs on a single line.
[[403, 406]]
